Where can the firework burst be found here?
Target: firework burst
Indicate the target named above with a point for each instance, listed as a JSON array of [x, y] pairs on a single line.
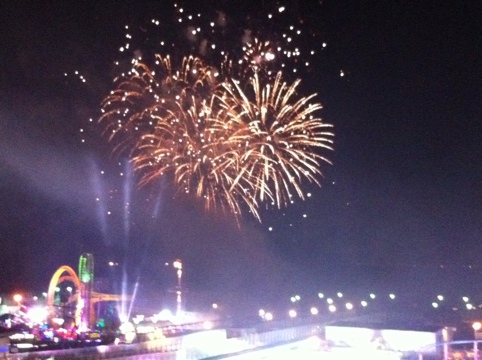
[[258, 57], [276, 136], [168, 123], [146, 94], [190, 146], [235, 138]]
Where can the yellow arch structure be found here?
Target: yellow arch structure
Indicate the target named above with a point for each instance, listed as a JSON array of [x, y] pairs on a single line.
[[96, 297], [57, 279]]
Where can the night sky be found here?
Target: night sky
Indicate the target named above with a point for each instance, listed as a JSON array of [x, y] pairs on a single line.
[[399, 209]]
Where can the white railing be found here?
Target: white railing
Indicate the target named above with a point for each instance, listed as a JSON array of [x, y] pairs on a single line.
[[221, 344], [198, 345]]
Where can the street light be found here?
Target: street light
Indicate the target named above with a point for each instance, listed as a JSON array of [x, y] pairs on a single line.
[[17, 298], [178, 265], [476, 326]]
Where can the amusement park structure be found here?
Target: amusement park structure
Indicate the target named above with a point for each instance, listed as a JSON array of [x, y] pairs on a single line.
[[84, 296]]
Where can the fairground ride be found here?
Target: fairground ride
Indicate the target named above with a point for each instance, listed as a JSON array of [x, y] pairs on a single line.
[[84, 297]]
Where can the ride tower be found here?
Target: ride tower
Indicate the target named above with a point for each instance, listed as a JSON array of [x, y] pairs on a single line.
[[86, 277]]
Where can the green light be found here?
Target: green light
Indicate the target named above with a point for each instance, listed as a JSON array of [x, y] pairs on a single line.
[[85, 271]]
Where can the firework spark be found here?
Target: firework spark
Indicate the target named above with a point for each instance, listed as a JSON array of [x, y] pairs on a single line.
[[276, 136], [145, 94], [190, 146], [166, 120], [234, 143]]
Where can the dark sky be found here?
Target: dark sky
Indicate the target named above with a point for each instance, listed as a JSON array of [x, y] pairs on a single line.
[[401, 206]]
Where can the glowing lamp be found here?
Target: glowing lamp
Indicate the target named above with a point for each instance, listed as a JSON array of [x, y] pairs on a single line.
[[37, 315], [207, 325]]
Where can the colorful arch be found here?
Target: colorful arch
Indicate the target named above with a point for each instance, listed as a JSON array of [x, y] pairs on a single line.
[[84, 295], [57, 279]]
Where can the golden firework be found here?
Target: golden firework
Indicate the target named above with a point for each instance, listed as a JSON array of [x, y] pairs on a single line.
[[235, 144], [276, 136], [145, 94], [190, 146], [257, 55]]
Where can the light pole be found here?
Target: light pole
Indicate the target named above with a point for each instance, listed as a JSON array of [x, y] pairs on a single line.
[[178, 265], [476, 326]]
